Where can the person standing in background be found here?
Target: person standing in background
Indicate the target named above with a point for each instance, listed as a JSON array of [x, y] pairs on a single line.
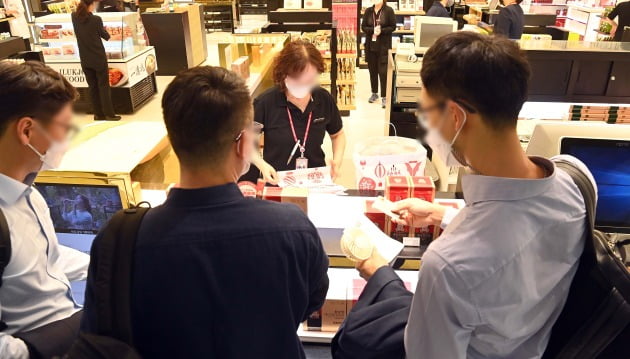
[[378, 24], [510, 21], [439, 8], [18, 25], [89, 30], [622, 13]]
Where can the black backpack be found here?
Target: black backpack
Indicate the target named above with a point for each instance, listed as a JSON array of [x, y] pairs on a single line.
[[113, 291], [595, 321]]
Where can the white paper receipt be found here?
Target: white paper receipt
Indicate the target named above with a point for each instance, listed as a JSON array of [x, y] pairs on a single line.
[[386, 206], [386, 246]]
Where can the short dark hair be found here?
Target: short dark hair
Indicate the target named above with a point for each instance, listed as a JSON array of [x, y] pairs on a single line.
[[484, 74], [31, 89], [205, 108], [294, 58]]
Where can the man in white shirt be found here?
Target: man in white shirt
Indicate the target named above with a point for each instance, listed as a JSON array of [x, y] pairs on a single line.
[[495, 282], [36, 302]]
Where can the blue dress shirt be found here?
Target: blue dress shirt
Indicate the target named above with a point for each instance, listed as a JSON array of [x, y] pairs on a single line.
[[494, 283], [35, 285], [217, 275]]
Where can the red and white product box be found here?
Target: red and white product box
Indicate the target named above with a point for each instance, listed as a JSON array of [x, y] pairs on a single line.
[[422, 188], [296, 196], [377, 217], [397, 188]]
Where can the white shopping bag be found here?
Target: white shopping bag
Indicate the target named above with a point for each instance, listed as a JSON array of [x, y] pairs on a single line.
[[376, 158]]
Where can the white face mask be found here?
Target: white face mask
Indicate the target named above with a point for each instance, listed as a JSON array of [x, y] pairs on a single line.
[[53, 156], [298, 91], [443, 148]]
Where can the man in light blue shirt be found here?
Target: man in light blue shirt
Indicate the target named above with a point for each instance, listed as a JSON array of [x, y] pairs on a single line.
[[495, 282], [35, 124]]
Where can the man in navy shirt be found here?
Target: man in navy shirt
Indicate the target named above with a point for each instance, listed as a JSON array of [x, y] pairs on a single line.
[[510, 21], [438, 9], [217, 275]]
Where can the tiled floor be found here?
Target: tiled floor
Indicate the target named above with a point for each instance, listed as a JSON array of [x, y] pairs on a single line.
[[366, 121]]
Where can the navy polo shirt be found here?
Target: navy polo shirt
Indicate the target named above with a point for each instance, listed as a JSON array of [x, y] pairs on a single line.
[[510, 22], [270, 109], [438, 10], [217, 275]]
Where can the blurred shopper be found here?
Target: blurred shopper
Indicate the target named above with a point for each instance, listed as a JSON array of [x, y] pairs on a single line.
[[378, 24], [89, 30], [79, 216], [510, 21], [439, 8], [36, 302], [218, 275], [297, 109], [622, 13], [496, 281]]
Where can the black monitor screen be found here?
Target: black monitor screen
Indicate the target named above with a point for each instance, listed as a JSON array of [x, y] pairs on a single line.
[[609, 162], [81, 209]]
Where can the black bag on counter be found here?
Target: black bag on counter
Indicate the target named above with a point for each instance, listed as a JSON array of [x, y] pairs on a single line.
[[112, 287], [595, 321]]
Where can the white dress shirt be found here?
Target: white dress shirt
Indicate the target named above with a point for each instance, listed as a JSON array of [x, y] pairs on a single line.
[[35, 286], [494, 283]]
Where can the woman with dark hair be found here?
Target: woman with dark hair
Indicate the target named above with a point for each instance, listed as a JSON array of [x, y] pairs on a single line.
[[378, 24], [297, 114], [89, 30], [80, 217]]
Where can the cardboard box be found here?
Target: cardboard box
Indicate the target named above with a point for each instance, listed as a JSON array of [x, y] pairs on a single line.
[[241, 67], [296, 196], [248, 189], [334, 311], [397, 188], [396, 231], [377, 217], [423, 188]]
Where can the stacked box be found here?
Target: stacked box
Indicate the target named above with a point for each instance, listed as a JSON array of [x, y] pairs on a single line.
[[293, 195], [398, 188]]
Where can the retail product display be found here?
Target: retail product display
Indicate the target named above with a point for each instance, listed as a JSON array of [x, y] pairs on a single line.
[[241, 67], [610, 114], [131, 62], [218, 16], [307, 178]]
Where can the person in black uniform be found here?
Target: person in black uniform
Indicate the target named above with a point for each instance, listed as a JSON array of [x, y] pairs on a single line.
[[511, 20], [89, 30], [622, 13], [297, 114], [378, 24], [439, 8]]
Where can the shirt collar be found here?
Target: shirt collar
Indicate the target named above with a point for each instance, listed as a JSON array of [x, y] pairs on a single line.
[[478, 188], [11, 190], [204, 196]]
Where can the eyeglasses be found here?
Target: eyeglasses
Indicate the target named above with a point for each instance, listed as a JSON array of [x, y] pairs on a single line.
[[256, 128], [422, 111]]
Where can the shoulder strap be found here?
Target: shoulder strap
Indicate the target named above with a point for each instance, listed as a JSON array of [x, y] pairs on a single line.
[[585, 186], [5, 252], [113, 277], [587, 190]]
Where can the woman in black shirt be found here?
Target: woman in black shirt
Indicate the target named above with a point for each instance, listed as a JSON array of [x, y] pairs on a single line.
[[89, 30], [510, 21], [378, 24], [297, 114]]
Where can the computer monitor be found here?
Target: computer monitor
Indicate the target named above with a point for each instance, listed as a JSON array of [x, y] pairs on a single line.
[[609, 162], [79, 211], [545, 140], [429, 28]]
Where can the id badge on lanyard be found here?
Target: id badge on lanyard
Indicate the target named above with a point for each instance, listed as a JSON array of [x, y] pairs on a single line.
[[300, 162], [377, 22]]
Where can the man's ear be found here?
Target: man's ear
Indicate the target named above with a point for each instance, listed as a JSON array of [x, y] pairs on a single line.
[[24, 129], [241, 151]]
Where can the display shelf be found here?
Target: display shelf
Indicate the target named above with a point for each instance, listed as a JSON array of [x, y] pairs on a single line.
[[309, 336], [346, 56], [404, 32], [347, 107], [346, 82]]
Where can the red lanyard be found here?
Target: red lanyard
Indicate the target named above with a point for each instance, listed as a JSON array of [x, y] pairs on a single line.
[[308, 127]]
